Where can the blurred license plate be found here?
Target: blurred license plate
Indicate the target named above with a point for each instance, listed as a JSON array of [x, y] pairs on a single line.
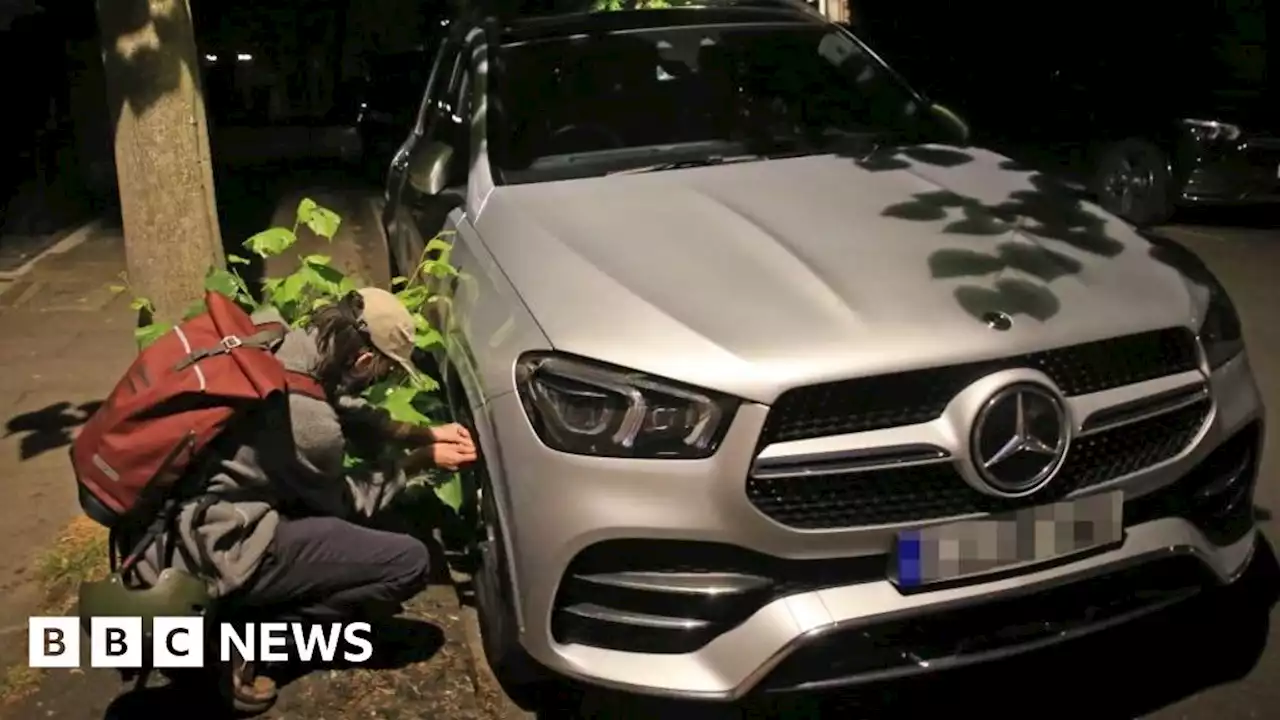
[[959, 550]]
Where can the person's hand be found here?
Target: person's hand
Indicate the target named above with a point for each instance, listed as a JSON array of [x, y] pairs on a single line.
[[453, 433], [451, 456], [446, 456]]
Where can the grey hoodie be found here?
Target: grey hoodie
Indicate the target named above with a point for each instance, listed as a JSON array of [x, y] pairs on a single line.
[[282, 459]]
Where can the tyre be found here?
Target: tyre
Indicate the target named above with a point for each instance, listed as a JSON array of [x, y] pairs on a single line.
[[520, 676], [1133, 180], [404, 243]]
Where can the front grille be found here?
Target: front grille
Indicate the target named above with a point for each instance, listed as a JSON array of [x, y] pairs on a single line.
[[999, 627], [919, 396], [936, 491]]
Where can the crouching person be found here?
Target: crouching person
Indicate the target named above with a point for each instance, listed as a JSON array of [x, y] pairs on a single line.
[[283, 528]]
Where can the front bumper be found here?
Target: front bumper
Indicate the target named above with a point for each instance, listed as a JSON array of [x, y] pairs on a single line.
[[835, 588], [1248, 174]]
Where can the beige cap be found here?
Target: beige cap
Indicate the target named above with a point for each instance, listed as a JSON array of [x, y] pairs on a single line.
[[390, 326]]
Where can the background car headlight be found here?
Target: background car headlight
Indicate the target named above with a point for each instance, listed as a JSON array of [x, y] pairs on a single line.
[[1221, 334], [1211, 131], [591, 409]]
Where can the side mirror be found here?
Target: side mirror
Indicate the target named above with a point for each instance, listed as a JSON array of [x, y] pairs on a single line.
[[428, 169], [953, 122]]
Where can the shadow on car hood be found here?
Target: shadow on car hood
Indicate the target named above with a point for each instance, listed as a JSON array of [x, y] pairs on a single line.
[[753, 277]]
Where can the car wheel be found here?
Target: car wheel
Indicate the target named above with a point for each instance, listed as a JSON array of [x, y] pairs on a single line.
[[403, 242], [1134, 182], [520, 676]]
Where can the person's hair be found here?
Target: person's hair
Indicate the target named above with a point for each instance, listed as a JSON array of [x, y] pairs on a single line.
[[341, 338]]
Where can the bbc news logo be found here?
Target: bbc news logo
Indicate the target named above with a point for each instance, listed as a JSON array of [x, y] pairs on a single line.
[[179, 642]]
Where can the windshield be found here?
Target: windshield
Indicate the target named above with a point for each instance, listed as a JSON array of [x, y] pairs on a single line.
[[593, 105]]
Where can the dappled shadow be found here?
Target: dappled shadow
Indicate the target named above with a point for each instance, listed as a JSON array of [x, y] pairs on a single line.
[[144, 72], [1179, 652], [49, 428], [1046, 209]]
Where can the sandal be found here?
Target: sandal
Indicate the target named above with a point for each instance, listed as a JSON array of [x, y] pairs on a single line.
[[250, 693]]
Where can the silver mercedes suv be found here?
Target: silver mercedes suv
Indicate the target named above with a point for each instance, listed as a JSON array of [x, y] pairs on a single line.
[[780, 383]]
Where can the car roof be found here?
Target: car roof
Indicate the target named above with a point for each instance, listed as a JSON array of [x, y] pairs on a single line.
[[538, 23]]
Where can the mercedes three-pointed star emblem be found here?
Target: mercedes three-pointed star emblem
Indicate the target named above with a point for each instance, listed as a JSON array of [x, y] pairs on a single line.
[[1020, 439]]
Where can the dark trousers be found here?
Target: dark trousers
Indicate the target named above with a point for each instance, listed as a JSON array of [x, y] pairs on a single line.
[[324, 569]]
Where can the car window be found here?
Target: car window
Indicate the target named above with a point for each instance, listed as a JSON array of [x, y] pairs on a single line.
[[793, 87]]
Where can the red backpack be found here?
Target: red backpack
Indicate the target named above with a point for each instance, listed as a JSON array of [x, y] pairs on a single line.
[[177, 397]]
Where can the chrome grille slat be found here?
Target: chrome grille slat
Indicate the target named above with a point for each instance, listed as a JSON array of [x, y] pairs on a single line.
[[705, 583], [935, 491], [1148, 407], [919, 396], [642, 620], [798, 466]]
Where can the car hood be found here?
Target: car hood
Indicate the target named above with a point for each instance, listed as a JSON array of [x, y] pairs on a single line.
[[753, 277]]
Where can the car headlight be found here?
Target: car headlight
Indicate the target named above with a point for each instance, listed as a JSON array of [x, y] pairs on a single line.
[[1221, 334], [1211, 131], [591, 409]]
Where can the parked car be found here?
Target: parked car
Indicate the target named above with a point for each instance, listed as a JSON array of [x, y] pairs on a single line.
[[387, 105], [768, 366], [1145, 153], [1145, 162], [1147, 122]]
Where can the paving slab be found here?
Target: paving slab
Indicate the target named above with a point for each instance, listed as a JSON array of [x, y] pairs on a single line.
[[66, 342]]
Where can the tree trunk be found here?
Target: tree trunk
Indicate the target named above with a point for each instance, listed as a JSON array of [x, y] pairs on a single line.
[[161, 149]]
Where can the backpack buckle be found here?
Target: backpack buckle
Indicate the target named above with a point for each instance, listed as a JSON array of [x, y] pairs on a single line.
[[231, 342]]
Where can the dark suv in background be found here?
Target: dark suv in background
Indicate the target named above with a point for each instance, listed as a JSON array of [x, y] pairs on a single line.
[[1147, 119]]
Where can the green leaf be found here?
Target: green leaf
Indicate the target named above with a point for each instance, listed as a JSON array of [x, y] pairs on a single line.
[[306, 207], [428, 338], [324, 260], [142, 304], [118, 288], [294, 285], [440, 246], [148, 334], [327, 277], [399, 280], [438, 269], [271, 242], [450, 491], [222, 281], [320, 302], [378, 393], [324, 222], [399, 403], [270, 289], [236, 260], [414, 297], [194, 309]]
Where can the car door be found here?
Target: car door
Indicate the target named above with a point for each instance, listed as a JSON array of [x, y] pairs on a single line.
[[420, 173]]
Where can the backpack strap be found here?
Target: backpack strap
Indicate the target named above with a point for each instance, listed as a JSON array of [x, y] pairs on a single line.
[[266, 338], [300, 383]]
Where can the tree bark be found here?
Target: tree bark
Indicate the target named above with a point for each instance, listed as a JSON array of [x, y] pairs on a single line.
[[162, 151]]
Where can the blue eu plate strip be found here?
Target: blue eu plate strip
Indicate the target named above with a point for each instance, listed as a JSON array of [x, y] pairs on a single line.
[[909, 570]]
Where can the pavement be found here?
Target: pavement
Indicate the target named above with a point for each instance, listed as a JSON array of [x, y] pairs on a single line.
[[67, 338]]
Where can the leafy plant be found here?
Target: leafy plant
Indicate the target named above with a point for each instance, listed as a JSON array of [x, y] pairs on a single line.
[[315, 283]]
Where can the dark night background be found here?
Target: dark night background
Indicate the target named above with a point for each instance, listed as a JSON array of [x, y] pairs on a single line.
[[312, 62]]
